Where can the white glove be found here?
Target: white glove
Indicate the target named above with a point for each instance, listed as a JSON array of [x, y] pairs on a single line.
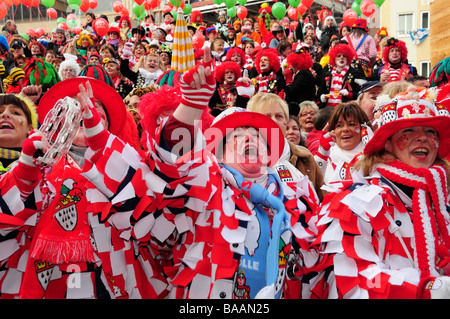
[[439, 288], [323, 98], [343, 92]]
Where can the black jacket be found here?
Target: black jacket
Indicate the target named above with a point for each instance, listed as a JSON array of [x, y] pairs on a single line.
[[302, 88]]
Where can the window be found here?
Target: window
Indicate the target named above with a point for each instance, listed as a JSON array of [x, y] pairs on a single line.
[[425, 20], [425, 68], [405, 24]]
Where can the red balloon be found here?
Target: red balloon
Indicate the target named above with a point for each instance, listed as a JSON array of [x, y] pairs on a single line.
[[139, 2], [3, 10], [35, 3], [27, 3], [40, 32], [242, 12], [92, 4], [76, 30], [101, 26], [198, 40], [350, 16], [124, 12], [30, 32], [301, 9], [8, 3], [63, 25], [117, 6], [84, 7], [51, 13], [307, 3], [368, 8], [293, 25], [292, 13]]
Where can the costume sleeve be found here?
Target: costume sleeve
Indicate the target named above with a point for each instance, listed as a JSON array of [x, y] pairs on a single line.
[[365, 237], [126, 71], [16, 212]]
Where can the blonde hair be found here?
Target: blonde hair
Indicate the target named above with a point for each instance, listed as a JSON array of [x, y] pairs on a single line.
[[263, 98], [393, 88], [143, 58]]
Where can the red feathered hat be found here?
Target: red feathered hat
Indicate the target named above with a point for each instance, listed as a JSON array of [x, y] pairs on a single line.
[[272, 54], [161, 103], [301, 60], [234, 50], [227, 65], [341, 48], [392, 43], [194, 15]]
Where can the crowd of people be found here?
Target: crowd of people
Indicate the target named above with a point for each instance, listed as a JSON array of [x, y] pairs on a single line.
[[296, 159]]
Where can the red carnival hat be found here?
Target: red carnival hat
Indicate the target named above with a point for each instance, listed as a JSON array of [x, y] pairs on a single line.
[[361, 24], [235, 117], [111, 100], [405, 111]]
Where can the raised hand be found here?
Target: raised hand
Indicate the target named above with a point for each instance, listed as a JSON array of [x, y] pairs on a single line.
[[198, 84]]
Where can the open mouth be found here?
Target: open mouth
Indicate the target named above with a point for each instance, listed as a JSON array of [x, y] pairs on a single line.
[[6, 126], [420, 152]]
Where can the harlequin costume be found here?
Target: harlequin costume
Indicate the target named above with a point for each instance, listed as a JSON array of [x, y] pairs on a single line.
[[385, 235], [200, 210], [59, 238]]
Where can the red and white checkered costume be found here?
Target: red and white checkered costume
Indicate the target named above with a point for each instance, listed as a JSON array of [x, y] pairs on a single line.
[[113, 270], [190, 213], [368, 239]]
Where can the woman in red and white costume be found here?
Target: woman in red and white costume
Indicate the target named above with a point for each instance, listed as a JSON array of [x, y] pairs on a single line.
[[208, 209], [384, 234]]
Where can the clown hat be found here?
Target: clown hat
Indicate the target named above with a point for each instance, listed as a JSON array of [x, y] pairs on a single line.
[[108, 96], [235, 117], [361, 24], [404, 111], [383, 32]]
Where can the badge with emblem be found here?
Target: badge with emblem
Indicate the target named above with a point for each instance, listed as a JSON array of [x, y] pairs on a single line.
[[66, 211]]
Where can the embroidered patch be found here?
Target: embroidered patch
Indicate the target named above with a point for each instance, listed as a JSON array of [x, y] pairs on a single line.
[[284, 173]]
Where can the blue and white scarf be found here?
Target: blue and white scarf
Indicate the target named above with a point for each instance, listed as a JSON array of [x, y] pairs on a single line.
[[264, 265]]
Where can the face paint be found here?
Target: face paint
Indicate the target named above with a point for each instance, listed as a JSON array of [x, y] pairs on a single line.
[[402, 143]]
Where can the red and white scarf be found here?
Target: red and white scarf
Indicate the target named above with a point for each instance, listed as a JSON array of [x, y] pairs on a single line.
[[429, 213], [337, 81], [264, 81], [397, 73]]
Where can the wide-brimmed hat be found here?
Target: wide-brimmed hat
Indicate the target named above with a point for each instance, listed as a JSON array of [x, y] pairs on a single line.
[[235, 117], [111, 100], [411, 110]]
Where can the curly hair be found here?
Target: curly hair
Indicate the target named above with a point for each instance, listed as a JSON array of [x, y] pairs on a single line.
[[270, 53], [194, 15], [341, 48], [301, 61], [392, 43], [227, 65], [233, 50]]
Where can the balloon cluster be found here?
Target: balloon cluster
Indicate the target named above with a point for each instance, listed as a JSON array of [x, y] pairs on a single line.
[[295, 11], [366, 8]]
